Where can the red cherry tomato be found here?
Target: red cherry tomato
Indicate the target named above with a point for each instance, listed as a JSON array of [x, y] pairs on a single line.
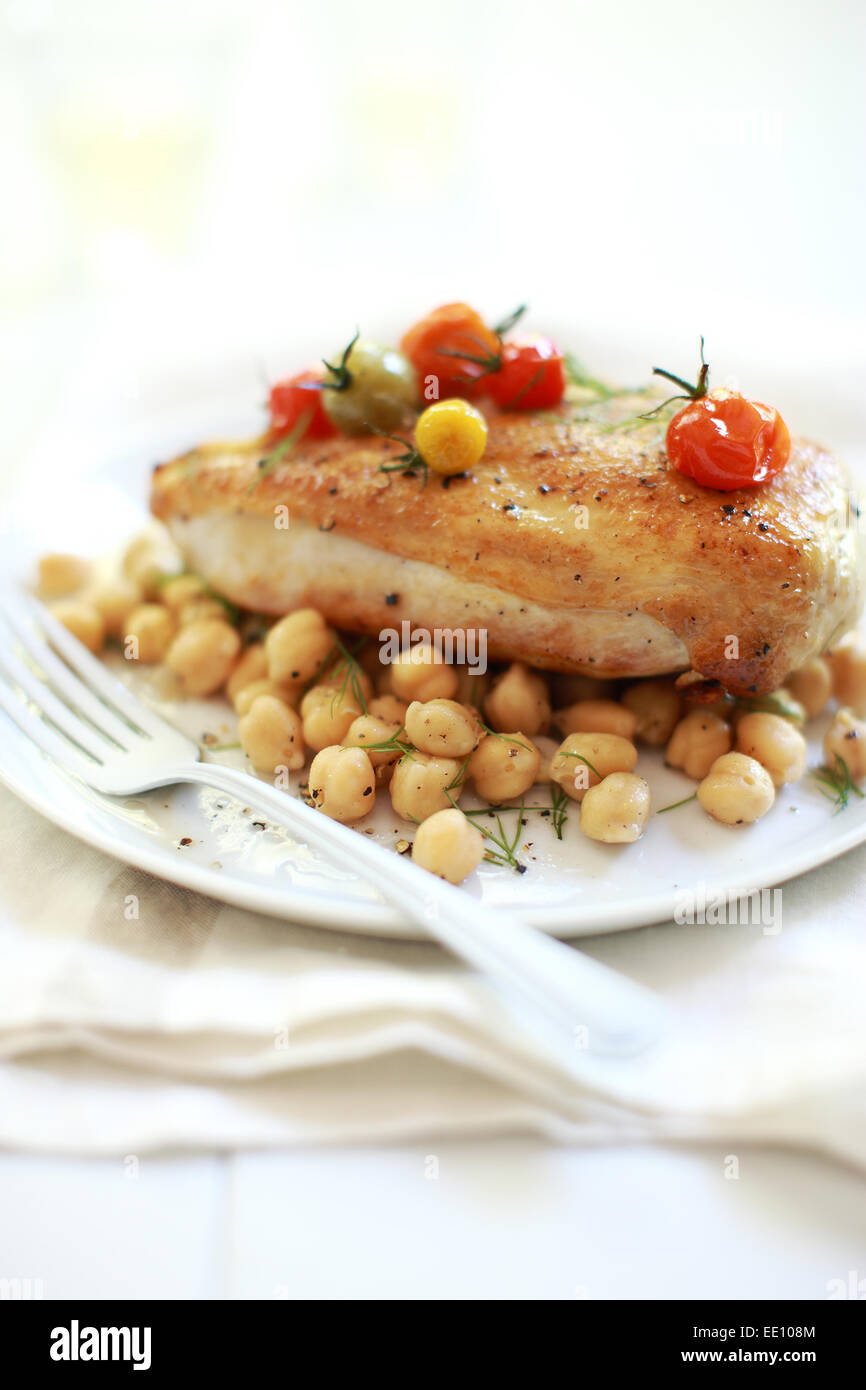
[[454, 345], [295, 397], [725, 441], [532, 375]]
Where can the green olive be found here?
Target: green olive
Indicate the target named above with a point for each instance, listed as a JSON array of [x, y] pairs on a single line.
[[379, 387]]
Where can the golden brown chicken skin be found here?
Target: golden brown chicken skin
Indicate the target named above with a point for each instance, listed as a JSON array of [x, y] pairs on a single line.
[[577, 549]]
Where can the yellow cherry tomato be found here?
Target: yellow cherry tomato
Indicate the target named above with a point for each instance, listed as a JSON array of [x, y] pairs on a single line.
[[451, 436]]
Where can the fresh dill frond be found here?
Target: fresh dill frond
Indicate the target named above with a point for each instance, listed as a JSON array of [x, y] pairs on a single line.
[[351, 671], [674, 804], [767, 704], [501, 849], [558, 808], [397, 743], [506, 738], [267, 464], [582, 759], [835, 783]]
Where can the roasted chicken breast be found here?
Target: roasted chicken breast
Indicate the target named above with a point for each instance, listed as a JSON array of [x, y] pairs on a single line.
[[576, 548]]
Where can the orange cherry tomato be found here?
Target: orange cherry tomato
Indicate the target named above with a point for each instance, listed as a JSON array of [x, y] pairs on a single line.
[[532, 375], [454, 345], [724, 441], [292, 399]]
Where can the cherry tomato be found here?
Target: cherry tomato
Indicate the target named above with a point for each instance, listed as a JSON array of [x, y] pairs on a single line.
[[373, 388], [454, 346], [725, 441], [532, 375], [295, 397]]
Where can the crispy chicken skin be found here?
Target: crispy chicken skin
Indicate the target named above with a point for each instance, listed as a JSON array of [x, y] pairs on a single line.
[[577, 549]]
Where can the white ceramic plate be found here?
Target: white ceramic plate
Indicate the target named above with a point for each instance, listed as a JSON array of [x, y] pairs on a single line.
[[571, 887]]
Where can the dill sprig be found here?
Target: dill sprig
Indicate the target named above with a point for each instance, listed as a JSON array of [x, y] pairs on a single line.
[[352, 672], [835, 783], [558, 809], [506, 738], [267, 464], [397, 743], [660, 415], [767, 704], [674, 804], [502, 847], [582, 759]]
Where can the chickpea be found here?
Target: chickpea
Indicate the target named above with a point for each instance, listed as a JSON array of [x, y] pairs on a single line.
[[150, 560], [150, 630], [83, 621], [616, 810], [547, 749], [358, 680], [199, 610], [846, 739], [369, 728], [449, 845], [422, 673], [243, 701], [271, 735], [789, 708], [115, 601], [596, 717], [382, 679], [780, 702], [737, 790], [504, 766], [388, 707], [181, 589], [203, 655], [567, 688], [583, 760], [298, 646], [61, 575], [252, 666], [442, 727], [518, 699], [342, 783], [419, 782], [657, 705], [697, 741], [848, 664], [472, 686], [775, 744], [368, 658], [327, 713], [812, 685]]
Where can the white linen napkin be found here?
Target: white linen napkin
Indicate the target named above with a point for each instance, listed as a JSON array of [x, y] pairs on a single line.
[[201, 1025]]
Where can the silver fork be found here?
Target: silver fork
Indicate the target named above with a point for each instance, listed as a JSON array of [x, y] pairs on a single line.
[[71, 706]]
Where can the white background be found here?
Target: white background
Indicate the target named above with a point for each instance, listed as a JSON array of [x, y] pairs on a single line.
[[190, 185]]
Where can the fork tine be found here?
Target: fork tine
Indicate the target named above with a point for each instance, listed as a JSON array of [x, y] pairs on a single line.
[[92, 672], [66, 682], [44, 736], [65, 719]]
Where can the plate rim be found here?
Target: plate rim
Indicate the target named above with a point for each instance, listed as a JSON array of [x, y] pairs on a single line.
[[383, 921]]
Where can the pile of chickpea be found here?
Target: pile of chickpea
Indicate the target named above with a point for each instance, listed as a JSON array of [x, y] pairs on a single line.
[[423, 730]]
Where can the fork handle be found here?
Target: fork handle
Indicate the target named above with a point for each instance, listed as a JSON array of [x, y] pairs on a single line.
[[576, 1002]]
